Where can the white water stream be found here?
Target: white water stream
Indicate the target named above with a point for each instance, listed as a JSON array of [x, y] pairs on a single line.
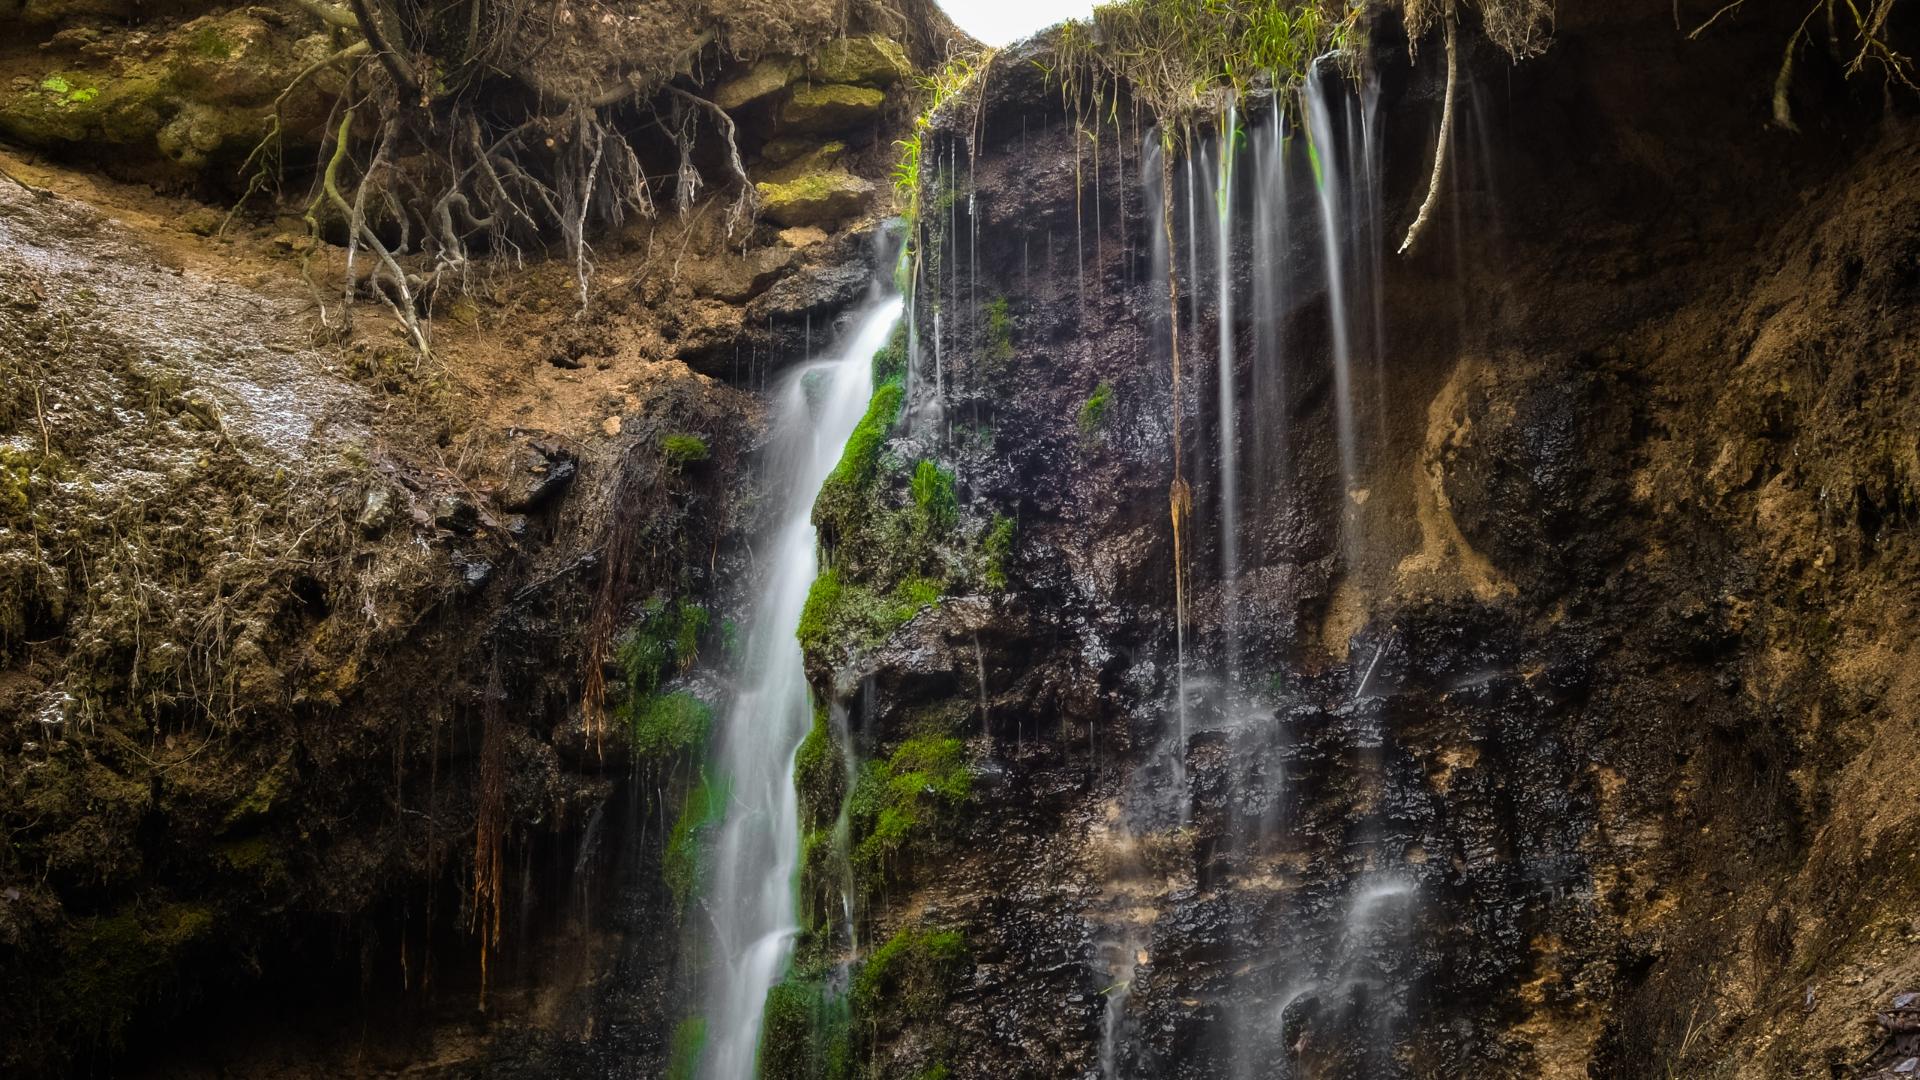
[[750, 894]]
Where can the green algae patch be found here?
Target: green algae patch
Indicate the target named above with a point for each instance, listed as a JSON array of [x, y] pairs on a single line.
[[821, 199], [900, 808], [118, 964], [700, 814], [684, 1049]]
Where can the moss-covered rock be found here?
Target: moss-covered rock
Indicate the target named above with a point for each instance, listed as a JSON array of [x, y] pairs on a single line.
[[871, 60], [814, 157], [823, 200], [72, 106], [203, 94], [826, 108]]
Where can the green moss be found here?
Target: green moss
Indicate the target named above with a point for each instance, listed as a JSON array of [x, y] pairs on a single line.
[[933, 497], [853, 476], [210, 43], [899, 806], [907, 979], [666, 637], [840, 615], [1093, 411], [700, 813], [117, 964], [818, 777], [682, 450], [684, 1049], [1176, 53], [822, 199], [890, 363], [669, 727], [994, 550], [805, 1033], [999, 334]]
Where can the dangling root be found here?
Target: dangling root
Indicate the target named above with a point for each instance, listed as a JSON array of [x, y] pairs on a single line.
[[1179, 495], [748, 199], [1439, 151]]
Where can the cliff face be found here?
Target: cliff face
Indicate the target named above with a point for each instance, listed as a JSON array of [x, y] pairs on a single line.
[[1564, 735], [1555, 718]]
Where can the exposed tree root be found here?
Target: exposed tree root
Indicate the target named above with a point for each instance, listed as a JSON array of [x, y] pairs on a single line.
[[1440, 151]]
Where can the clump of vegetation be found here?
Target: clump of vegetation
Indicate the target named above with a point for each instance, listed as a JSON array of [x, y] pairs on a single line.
[[906, 979], [933, 497], [999, 335], [818, 777], [1093, 412], [898, 805], [849, 614], [669, 727], [805, 1033], [683, 1050], [842, 492], [994, 551], [667, 637], [890, 363], [116, 964], [683, 450], [700, 814]]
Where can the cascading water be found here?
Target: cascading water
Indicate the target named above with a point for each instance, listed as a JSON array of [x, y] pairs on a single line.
[[750, 894]]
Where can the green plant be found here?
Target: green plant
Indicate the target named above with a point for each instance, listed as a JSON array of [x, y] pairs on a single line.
[[818, 777], [855, 472], [907, 978], [669, 727], [933, 496], [841, 613], [805, 1033], [682, 450], [994, 549], [890, 363], [1093, 411], [683, 1050], [700, 812], [999, 332], [666, 636], [897, 804]]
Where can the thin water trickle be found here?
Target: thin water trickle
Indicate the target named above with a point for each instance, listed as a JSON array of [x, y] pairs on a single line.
[[750, 896], [1333, 225], [1229, 394]]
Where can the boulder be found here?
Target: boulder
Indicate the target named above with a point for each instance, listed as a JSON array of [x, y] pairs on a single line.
[[831, 107], [822, 199], [755, 82], [819, 157], [871, 60]]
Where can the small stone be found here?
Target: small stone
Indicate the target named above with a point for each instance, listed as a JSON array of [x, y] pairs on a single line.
[[611, 425], [376, 510], [831, 107], [802, 236]]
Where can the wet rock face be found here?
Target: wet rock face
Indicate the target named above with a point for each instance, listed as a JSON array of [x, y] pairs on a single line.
[[1513, 747]]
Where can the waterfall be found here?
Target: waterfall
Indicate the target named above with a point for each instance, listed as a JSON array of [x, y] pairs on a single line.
[[750, 894]]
